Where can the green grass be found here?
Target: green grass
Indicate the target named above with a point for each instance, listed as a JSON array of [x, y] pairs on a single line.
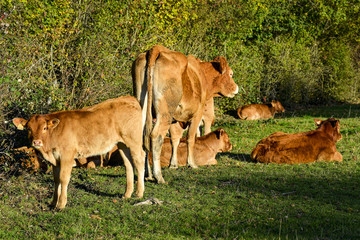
[[236, 199]]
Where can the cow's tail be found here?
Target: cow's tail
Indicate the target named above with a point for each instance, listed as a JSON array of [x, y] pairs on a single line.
[[260, 152], [239, 113], [152, 55]]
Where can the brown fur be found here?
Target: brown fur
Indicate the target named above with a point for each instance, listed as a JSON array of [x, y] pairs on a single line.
[[208, 118], [260, 111], [29, 159], [179, 87], [206, 148], [316, 145], [63, 136]]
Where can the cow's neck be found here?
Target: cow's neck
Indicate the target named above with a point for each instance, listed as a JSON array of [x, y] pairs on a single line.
[[211, 74], [210, 140]]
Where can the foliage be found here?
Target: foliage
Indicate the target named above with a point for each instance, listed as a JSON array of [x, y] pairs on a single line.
[[63, 54]]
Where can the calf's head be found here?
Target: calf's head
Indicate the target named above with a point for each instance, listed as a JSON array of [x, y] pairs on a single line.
[[331, 126], [277, 106], [224, 81], [225, 144], [39, 128]]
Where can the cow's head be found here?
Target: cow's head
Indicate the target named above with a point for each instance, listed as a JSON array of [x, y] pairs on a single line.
[[225, 144], [223, 81], [39, 128], [277, 106], [331, 126]]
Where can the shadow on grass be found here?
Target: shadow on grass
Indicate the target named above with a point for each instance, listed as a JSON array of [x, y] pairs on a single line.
[[327, 111], [321, 203], [243, 157], [94, 190]]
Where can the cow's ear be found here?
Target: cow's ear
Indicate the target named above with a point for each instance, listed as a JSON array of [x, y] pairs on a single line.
[[19, 123], [219, 132], [334, 123], [318, 122], [183, 125], [222, 64], [53, 123]]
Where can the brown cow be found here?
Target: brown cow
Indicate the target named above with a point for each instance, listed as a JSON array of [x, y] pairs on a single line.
[[316, 145], [208, 117], [179, 87], [63, 136], [260, 111], [205, 150], [29, 158]]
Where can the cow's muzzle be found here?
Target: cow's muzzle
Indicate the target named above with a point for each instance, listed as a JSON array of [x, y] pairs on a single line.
[[37, 143]]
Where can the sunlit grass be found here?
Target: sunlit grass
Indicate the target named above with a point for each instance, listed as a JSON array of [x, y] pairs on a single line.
[[237, 199]]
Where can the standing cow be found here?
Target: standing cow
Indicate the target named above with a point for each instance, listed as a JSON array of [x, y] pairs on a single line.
[[176, 87], [62, 136]]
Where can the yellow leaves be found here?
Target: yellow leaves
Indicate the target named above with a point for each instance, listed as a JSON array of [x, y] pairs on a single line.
[[97, 217]]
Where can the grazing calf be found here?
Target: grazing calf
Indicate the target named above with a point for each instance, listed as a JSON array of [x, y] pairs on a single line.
[[260, 111], [316, 145], [63, 136], [205, 150], [176, 87]]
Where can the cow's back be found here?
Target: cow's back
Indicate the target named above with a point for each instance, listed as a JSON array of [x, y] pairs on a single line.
[[254, 112], [95, 129], [292, 148]]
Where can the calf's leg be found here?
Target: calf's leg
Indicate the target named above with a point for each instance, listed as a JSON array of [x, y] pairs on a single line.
[[138, 160], [56, 175], [125, 154], [176, 132], [65, 174]]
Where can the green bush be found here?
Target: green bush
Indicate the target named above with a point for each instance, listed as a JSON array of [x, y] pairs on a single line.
[[58, 55]]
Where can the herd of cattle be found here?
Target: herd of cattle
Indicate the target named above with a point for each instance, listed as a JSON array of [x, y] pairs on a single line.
[[178, 90]]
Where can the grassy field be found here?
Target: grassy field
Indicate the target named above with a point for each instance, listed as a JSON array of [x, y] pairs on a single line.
[[236, 199]]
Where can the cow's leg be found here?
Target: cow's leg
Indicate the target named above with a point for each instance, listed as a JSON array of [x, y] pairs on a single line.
[[125, 154], [157, 138], [56, 175], [138, 159], [330, 156], [191, 140], [176, 132], [66, 165], [148, 168], [208, 116], [337, 157]]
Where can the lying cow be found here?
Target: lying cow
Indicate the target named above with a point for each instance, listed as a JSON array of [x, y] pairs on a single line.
[[62, 136], [316, 145], [260, 111], [178, 86], [29, 159], [205, 150]]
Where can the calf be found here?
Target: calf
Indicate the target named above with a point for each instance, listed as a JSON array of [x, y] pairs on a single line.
[[29, 159], [316, 145], [206, 148], [260, 111], [62, 136]]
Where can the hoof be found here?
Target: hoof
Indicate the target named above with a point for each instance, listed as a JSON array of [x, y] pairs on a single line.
[[193, 166], [161, 180], [150, 179], [173, 167]]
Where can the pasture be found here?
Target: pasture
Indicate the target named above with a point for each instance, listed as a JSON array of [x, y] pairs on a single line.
[[236, 199]]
